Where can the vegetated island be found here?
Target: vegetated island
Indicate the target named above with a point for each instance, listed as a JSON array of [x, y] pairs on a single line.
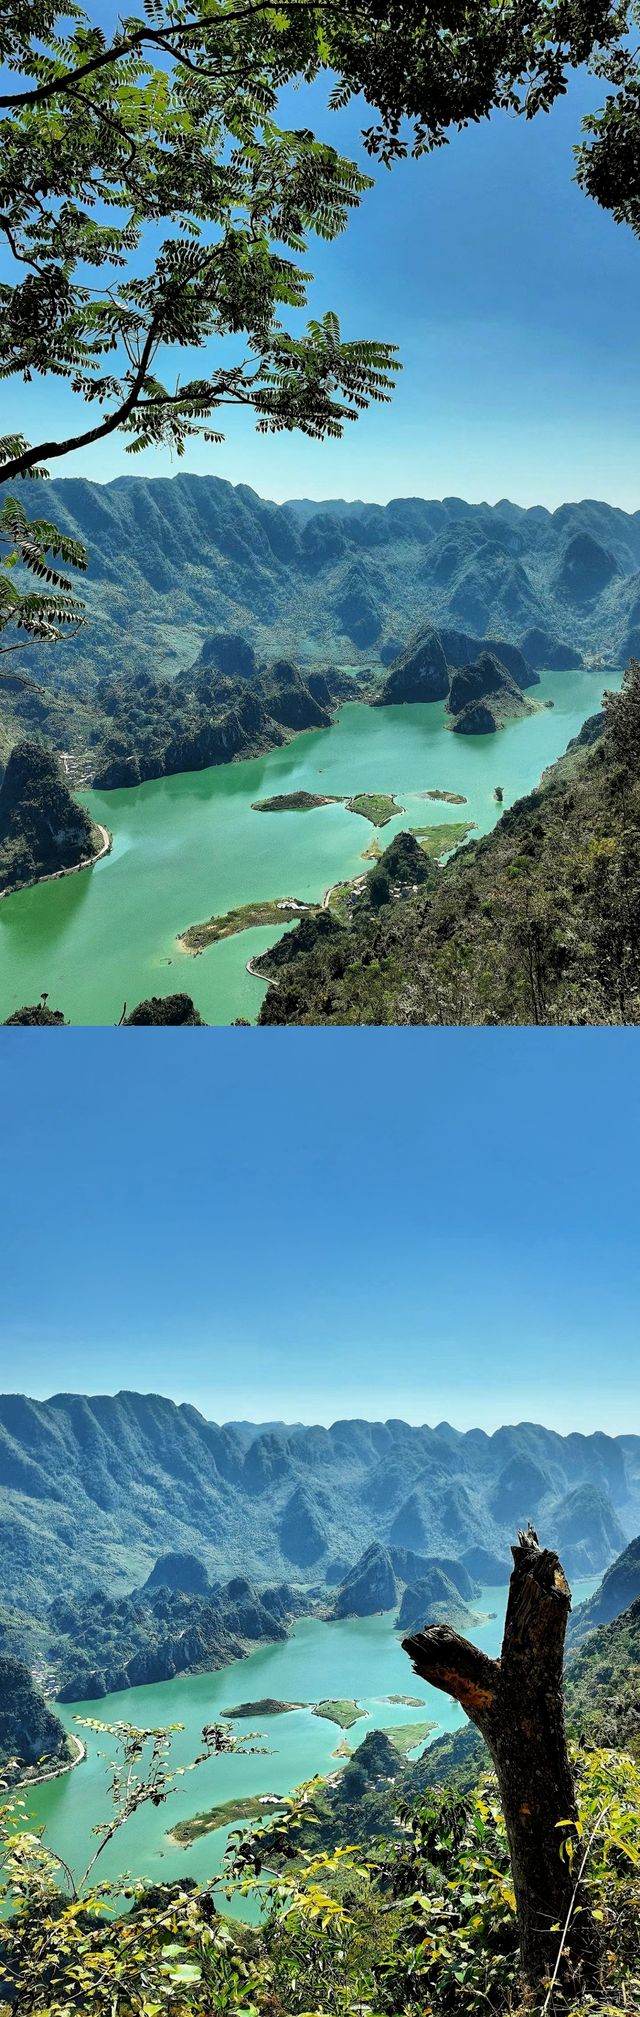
[[433, 841], [447, 797], [342, 1712], [408, 1701], [198, 936], [377, 806], [254, 1808], [267, 1706], [293, 801]]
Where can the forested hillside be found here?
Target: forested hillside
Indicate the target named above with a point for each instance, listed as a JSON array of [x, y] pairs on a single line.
[[172, 560], [94, 1489], [537, 923]]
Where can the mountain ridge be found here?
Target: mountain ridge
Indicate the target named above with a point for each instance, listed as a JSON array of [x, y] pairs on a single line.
[[171, 559], [94, 1489]]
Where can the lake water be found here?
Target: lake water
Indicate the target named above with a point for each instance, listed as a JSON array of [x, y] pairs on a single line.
[[354, 1658], [188, 847]]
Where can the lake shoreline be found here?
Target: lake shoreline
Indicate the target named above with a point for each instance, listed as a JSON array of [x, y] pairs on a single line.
[[187, 848], [59, 874], [56, 1771]]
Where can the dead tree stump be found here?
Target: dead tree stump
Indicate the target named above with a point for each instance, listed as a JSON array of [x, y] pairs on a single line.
[[516, 1703]]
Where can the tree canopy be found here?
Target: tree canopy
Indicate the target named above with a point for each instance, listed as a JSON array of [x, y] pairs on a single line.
[[151, 161], [156, 167]]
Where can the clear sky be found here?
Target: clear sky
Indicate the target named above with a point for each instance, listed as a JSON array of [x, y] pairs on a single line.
[[285, 1224], [515, 304]]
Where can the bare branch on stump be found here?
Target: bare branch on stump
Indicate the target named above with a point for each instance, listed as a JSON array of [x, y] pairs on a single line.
[[516, 1704]]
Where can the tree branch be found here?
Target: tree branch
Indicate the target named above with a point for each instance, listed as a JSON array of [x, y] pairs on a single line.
[[460, 1669], [47, 450], [145, 38]]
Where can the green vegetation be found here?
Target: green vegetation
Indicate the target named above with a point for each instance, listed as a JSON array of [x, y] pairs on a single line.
[[293, 801], [113, 124], [407, 1737], [267, 1706], [277, 1531], [484, 696], [447, 797], [280, 911], [534, 924], [378, 807], [420, 1920], [603, 1684], [42, 829], [30, 1733], [162, 1011], [437, 841], [93, 1645], [409, 1701], [143, 726], [619, 1588], [34, 545], [344, 1713], [250, 1809]]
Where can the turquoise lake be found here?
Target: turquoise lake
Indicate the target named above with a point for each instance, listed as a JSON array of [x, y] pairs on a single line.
[[354, 1658], [189, 847]]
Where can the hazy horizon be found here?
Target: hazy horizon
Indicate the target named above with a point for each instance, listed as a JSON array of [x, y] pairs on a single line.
[[329, 1422], [308, 497]]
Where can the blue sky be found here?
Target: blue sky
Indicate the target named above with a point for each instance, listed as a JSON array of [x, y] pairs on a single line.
[[365, 1223], [515, 305]]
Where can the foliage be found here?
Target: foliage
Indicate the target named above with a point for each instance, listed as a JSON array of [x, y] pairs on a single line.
[[424, 1924], [171, 121], [538, 923], [173, 124], [34, 545], [603, 1683]]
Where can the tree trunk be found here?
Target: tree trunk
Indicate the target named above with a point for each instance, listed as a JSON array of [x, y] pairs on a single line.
[[516, 1704]]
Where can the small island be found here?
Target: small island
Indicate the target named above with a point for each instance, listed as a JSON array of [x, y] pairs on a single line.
[[407, 1701], [293, 801], [255, 1808], [267, 1706], [447, 797], [379, 807], [280, 910], [343, 1713]]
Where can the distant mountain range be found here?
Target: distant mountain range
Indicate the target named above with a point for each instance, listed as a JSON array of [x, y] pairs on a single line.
[[171, 560], [93, 1489]]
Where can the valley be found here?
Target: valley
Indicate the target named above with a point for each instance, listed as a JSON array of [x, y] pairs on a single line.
[[190, 846], [361, 1656]]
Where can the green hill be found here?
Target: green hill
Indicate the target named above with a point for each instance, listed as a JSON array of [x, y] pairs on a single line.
[[42, 828], [603, 1684], [534, 924], [29, 1730]]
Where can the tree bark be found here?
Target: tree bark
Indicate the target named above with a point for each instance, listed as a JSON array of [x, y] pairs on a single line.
[[516, 1704]]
